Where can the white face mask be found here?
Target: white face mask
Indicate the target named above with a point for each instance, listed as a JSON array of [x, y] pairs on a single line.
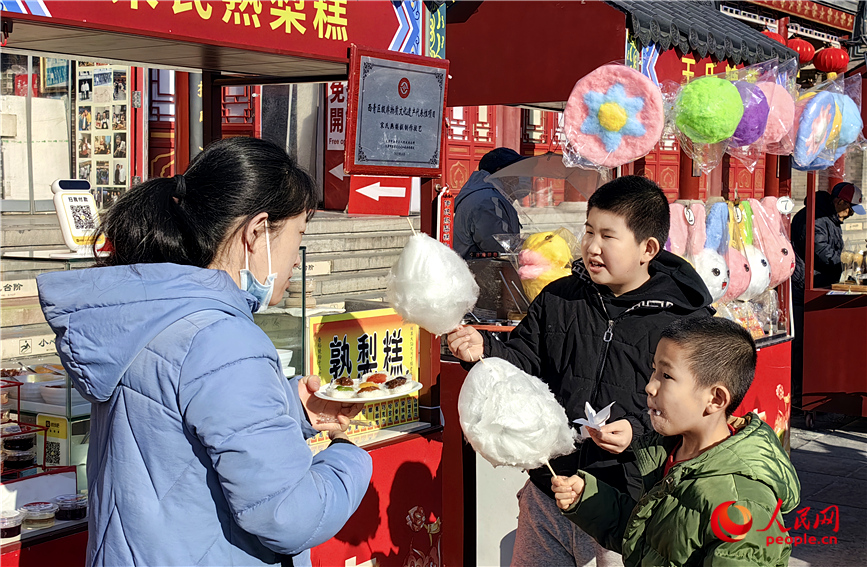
[[261, 291]]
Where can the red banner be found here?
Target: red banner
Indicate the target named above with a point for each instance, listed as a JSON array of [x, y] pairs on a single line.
[[319, 30]]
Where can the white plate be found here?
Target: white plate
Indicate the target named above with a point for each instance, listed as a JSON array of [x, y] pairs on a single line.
[[416, 386]]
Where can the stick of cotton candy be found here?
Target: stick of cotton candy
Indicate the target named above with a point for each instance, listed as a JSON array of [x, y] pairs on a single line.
[[430, 285], [511, 418]]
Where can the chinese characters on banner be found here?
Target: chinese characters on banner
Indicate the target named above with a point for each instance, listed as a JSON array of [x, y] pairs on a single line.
[[447, 217], [353, 344], [336, 122], [324, 18]]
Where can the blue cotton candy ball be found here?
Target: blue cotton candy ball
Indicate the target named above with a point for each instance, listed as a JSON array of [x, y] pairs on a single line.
[[852, 124]]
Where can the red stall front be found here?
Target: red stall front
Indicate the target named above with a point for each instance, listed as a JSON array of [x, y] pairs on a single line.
[[256, 43]]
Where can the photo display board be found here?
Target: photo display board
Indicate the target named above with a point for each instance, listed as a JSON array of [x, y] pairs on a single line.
[[101, 129]]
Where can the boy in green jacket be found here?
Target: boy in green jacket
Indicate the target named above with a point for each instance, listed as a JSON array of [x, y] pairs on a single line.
[[715, 487]]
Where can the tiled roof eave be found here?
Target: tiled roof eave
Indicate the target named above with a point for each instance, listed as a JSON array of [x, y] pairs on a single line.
[[694, 27]]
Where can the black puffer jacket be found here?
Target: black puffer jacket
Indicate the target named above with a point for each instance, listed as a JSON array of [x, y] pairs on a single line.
[[590, 346], [827, 267]]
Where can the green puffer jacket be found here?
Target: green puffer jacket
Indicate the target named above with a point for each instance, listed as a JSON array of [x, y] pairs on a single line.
[[671, 524]]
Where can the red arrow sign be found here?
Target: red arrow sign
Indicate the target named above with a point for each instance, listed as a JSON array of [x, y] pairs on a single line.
[[379, 195]]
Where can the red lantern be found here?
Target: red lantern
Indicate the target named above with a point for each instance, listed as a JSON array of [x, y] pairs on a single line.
[[805, 49], [775, 36], [831, 60]]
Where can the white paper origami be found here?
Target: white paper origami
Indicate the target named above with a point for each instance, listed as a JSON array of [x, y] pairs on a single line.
[[595, 420], [430, 285], [511, 418]]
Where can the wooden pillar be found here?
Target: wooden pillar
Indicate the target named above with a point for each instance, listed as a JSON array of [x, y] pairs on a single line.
[[772, 176], [811, 232], [182, 121], [688, 179], [212, 108], [784, 168]]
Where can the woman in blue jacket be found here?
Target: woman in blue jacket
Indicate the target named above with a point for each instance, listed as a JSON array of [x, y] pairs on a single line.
[[197, 453]]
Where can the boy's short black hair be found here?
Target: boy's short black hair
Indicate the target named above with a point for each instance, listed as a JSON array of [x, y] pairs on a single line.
[[640, 202], [719, 351]]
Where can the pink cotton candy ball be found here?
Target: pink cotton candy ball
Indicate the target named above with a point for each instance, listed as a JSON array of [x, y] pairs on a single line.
[[781, 117], [739, 274], [755, 118]]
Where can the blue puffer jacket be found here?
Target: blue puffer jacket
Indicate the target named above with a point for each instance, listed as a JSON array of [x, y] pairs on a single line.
[[197, 452]]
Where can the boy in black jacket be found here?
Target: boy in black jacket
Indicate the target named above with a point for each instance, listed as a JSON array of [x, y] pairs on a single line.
[[591, 337]]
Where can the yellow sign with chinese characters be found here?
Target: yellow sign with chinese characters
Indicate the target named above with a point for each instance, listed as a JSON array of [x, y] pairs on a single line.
[[354, 344]]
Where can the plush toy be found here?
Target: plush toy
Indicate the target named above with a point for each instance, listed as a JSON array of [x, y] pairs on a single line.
[[677, 232], [814, 119], [781, 115], [760, 269], [696, 232], [614, 115], [776, 248], [739, 266], [779, 250], [708, 110], [544, 257], [708, 260], [755, 119]]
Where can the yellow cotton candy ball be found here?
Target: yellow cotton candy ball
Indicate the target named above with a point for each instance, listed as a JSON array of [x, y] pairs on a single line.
[[612, 116]]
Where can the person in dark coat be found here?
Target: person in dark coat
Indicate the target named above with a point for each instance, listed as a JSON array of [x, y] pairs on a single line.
[[482, 209], [590, 337], [832, 209]]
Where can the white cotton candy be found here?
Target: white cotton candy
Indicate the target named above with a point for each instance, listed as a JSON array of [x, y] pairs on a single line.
[[511, 418], [430, 285]]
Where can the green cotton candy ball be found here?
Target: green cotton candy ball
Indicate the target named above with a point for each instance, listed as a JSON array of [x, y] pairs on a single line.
[[708, 110]]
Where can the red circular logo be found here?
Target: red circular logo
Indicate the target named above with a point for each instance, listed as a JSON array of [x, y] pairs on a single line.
[[403, 88], [724, 526]]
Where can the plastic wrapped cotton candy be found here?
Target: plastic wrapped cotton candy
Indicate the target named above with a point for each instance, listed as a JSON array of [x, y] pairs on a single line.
[[755, 118], [511, 418], [431, 286], [708, 110]]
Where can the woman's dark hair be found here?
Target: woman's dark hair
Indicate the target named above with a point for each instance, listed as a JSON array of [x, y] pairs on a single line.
[[184, 219]]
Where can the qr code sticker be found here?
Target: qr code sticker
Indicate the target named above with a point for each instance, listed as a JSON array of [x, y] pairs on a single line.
[[52, 453], [82, 216]]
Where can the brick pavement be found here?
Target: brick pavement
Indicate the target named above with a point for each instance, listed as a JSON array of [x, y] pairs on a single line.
[[831, 461]]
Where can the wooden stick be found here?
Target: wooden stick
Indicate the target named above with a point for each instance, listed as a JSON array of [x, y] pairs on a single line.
[[412, 228], [547, 464]]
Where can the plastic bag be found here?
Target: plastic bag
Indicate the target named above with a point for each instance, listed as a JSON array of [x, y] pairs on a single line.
[[779, 137], [678, 231], [819, 122], [739, 265], [545, 257], [713, 237], [775, 245], [614, 115], [707, 112], [747, 143], [430, 285], [511, 418], [760, 268]]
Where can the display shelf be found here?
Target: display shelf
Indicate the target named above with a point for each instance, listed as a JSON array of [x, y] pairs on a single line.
[[32, 537], [73, 412]]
